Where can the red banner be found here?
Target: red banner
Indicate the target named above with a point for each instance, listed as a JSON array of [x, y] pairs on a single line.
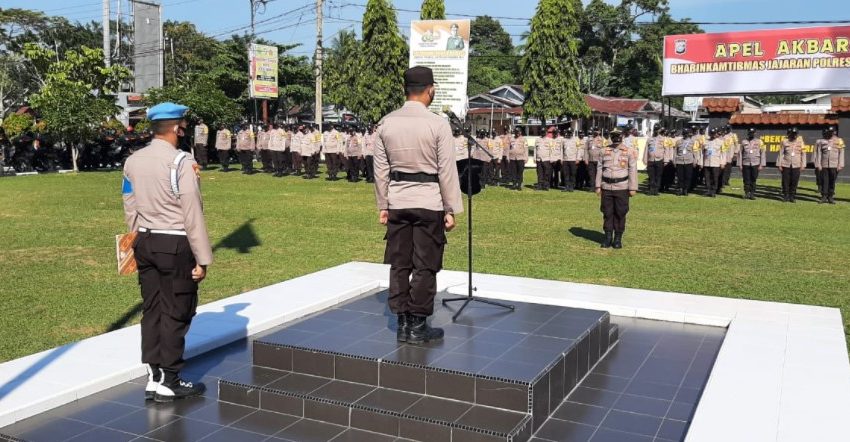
[[800, 60]]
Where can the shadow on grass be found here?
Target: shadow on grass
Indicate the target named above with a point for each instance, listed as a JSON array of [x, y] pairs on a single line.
[[590, 235], [242, 239]]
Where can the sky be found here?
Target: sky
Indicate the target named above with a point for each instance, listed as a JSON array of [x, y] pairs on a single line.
[[279, 24]]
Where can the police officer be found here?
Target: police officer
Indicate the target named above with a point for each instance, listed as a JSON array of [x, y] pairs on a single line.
[[572, 155], [616, 182], [653, 157], [505, 138], [461, 145], [829, 160], [354, 153], [202, 134], [418, 194], [712, 160], [277, 149], [684, 157], [172, 249], [369, 153], [245, 148], [544, 147], [752, 158], [518, 156], [791, 160], [295, 149], [332, 146], [223, 144], [263, 136], [497, 149], [595, 144]]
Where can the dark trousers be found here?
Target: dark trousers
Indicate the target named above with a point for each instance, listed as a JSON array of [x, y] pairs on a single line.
[[169, 297], [517, 172], [201, 155], [506, 170], [582, 178], [697, 177], [555, 176], [278, 162], [246, 158], [569, 171], [722, 176], [684, 177], [416, 239], [655, 170], [296, 162], [790, 180], [727, 173], [266, 158], [311, 165], [819, 180], [668, 176], [486, 173], [712, 180], [353, 169], [828, 176], [544, 174], [332, 163], [751, 175], [496, 167], [224, 159], [591, 173], [370, 168], [614, 207], [287, 161]]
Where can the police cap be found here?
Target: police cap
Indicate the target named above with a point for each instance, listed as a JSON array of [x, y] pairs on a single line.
[[167, 111], [418, 76], [792, 130]]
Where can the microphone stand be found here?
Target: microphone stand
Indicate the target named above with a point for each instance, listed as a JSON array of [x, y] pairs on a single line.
[[456, 123]]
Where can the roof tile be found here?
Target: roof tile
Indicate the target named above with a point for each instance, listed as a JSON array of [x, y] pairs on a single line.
[[787, 119]]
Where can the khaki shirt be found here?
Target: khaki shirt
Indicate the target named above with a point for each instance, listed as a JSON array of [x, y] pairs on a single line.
[[202, 134], [712, 154], [519, 149], [277, 140], [150, 203], [594, 148], [295, 141], [829, 154], [617, 161], [572, 150], [506, 144], [478, 152], [412, 139], [752, 153], [369, 144], [655, 150], [547, 149], [685, 152], [461, 147], [223, 140], [333, 142], [308, 144], [263, 140], [245, 140], [496, 147], [791, 154], [353, 148]]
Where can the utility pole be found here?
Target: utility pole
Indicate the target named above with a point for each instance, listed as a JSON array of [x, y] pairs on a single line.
[[106, 49], [318, 117]]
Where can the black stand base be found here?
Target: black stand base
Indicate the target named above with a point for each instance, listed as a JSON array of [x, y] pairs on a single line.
[[467, 299]]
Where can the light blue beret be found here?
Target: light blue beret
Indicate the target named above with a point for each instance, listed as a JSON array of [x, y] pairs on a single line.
[[167, 111]]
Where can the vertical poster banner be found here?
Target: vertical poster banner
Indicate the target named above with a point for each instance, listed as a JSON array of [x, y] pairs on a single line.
[[443, 46], [263, 71]]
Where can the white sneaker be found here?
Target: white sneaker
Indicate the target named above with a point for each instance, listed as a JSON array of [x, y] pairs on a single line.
[[177, 389], [150, 388]]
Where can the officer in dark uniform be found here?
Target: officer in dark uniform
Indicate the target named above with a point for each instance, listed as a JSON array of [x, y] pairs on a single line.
[[162, 202], [418, 194], [616, 182]]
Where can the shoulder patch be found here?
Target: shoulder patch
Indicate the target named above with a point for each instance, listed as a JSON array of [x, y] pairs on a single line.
[[126, 186]]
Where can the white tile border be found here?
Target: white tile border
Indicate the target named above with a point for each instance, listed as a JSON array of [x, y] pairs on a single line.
[[782, 373]]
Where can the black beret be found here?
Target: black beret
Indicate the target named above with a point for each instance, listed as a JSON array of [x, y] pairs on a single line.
[[418, 76]]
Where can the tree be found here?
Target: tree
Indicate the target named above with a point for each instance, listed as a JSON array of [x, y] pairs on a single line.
[[433, 10], [341, 69], [16, 124], [77, 94], [492, 61], [382, 63], [203, 98], [550, 65]]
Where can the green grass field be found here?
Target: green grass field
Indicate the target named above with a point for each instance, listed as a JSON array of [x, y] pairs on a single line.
[[58, 281]]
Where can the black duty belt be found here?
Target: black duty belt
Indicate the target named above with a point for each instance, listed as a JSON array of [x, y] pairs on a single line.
[[418, 177], [615, 180]]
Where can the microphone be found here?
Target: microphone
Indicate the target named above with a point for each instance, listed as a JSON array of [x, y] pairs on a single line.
[[454, 121]]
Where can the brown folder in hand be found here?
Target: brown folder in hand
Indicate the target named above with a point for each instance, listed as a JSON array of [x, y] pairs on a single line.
[[124, 253]]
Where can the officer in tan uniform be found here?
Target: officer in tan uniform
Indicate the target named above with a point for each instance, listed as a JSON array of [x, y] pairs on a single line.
[[354, 153], [461, 145], [752, 158], [332, 146], [572, 154], [418, 195], [311, 146], [200, 140], [544, 147], [829, 160], [518, 156], [162, 202], [277, 150], [616, 182], [685, 155], [223, 144], [245, 148], [791, 160], [712, 159], [653, 157], [497, 149], [263, 136], [295, 149], [595, 144], [369, 153]]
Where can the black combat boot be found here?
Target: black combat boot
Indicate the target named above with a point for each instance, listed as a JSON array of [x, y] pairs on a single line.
[[403, 330], [831, 199], [421, 332], [171, 387], [606, 243], [154, 377], [822, 200], [618, 240]]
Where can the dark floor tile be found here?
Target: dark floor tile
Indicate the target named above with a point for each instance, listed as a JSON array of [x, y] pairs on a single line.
[[605, 382], [101, 434], [673, 430], [672, 375], [465, 363], [316, 325], [581, 413], [221, 413], [439, 409], [47, 429], [463, 435], [307, 430], [419, 430], [143, 421], [688, 395], [288, 336], [299, 383], [264, 422], [681, 411], [211, 367], [515, 371], [330, 413], [228, 434], [401, 377], [281, 403], [642, 405], [518, 326], [632, 423], [189, 405], [93, 411], [415, 355], [126, 393], [355, 435], [506, 339], [540, 401], [182, 429], [652, 389], [592, 396], [239, 395], [608, 435], [492, 419], [372, 349], [557, 345], [313, 363], [538, 358], [272, 356], [342, 391], [329, 342], [557, 378], [559, 430], [374, 421], [475, 347], [341, 316], [462, 331], [257, 376], [363, 371], [500, 394], [450, 385], [391, 400]]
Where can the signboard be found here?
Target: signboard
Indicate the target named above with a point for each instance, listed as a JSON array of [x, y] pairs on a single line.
[[263, 71], [691, 104], [801, 60], [443, 46]]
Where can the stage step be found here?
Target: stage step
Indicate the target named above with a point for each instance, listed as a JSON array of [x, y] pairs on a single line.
[[381, 410]]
